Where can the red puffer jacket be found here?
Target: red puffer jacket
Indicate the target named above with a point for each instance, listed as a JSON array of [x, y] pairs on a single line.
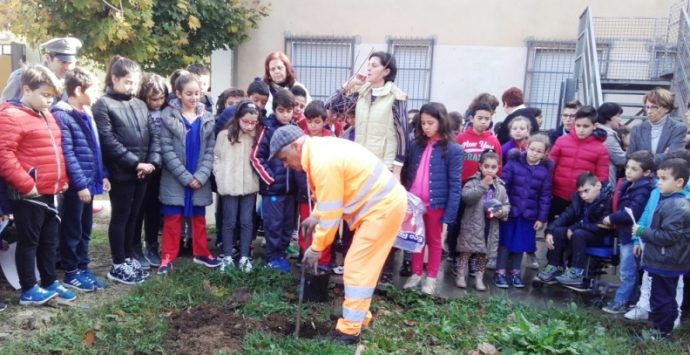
[[573, 156], [31, 140]]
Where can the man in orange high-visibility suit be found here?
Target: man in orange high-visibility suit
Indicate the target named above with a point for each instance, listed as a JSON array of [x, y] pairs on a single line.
[[349, 183]]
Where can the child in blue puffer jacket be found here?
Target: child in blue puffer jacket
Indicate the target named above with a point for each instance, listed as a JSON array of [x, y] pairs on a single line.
[[433, 169], [527, 177], [631, 196]]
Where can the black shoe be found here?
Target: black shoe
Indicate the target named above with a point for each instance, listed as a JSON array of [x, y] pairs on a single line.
[[344, 339], [406, 269], [386, 280]]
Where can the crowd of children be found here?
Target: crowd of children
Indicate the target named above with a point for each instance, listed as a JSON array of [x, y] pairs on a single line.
[[162, 150]]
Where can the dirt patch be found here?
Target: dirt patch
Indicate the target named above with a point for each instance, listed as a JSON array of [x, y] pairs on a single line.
[[211, 328]]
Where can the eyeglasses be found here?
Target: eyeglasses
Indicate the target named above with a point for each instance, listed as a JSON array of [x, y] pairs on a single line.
[[566, 115], [248, 122], [651, 108]]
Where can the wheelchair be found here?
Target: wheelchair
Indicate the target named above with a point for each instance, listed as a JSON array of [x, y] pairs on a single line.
[[599, 258]]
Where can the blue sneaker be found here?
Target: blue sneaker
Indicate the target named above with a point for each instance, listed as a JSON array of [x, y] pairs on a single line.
[[165, 267], [501, 280], [207, 261], [123, 273], [516, 281], [97, 283], [36, 296], [279, 264], [62, 292], [78, 281]]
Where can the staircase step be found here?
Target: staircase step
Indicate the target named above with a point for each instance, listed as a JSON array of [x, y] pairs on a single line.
[[633, 85]]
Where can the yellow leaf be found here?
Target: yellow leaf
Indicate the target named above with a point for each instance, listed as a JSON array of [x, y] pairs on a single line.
[[182, 5], [193, 22]]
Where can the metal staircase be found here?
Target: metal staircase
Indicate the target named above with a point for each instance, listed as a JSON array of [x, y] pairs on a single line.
[[621, 59]]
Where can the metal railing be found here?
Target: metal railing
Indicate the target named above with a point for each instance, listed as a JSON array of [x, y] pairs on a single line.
[[587, 74], [681, 77]]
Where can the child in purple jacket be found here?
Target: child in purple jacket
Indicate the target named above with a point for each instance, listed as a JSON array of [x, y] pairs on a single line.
[[527, 178]]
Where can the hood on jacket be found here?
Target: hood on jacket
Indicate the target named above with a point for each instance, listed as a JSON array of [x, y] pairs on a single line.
[[177, 105], [598, 134], [478, 176], [517, 155]]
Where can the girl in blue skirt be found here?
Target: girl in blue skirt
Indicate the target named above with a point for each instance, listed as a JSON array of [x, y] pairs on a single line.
[[527, 178]]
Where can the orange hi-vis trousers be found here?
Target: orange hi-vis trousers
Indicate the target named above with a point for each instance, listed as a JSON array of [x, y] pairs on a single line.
[[372, 242]]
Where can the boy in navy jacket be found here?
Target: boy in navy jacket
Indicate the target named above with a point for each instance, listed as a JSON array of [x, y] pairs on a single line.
[[87, 176], [576, 228], [666, 255], [278, 206], [631, 195]]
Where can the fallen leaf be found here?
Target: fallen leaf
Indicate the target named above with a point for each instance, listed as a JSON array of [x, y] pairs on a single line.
[[482, 310], [120, 313], [289, 296], [487, 349], [206, 284], [473, 352], [89, 338], [409, 323], [97, 326]]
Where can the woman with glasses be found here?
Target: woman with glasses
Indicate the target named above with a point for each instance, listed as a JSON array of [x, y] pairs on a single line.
[[567, 119], [660, 133]]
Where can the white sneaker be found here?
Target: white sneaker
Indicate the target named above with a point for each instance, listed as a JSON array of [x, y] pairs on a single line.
[[245, 264], [412, 282], [637, 313], [429, 286], [227, 264], [338, 270]]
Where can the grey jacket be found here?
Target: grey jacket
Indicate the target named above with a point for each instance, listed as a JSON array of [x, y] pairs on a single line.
[[672, 138], [175, 177], [617, 158], [471, 239], [13, 88], [667, 240]]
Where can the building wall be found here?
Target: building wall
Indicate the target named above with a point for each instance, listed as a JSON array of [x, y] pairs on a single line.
[[480, 45]]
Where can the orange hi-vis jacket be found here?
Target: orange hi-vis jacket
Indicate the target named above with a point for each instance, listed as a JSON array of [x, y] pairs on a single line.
[[347, 180]]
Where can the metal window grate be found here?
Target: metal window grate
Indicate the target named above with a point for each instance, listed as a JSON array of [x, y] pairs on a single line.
[[637, 47], [322, 64], [549, 63], [414, 58]]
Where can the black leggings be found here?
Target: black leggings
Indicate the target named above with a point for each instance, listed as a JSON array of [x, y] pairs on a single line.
[[125, 201]]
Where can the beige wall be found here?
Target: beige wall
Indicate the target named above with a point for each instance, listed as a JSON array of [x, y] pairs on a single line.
[[494, 23]]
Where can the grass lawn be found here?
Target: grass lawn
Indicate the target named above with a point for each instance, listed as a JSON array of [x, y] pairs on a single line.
[[199, 311]]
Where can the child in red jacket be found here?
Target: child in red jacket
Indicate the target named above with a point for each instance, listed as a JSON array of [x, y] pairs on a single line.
[[581, 150], [477, 139], [32, 164]]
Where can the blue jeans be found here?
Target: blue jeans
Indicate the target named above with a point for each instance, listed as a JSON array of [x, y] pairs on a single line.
[[279, 213], [232, 207], [75, 232], [628, 274]]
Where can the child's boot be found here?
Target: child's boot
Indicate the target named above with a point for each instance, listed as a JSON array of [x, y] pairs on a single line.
[[479, 279], [460, 278]]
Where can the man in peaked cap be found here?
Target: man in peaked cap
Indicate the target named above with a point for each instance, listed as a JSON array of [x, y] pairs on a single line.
[[60, 56], [350, 183]]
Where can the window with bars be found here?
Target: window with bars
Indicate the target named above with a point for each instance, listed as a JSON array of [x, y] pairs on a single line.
[[414, 58], [548, 65], [322, 64]]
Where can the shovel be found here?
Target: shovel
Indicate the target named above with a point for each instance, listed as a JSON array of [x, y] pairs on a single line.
[[301, 300]]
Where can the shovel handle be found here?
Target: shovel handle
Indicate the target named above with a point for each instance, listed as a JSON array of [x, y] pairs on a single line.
[[300, 300]]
